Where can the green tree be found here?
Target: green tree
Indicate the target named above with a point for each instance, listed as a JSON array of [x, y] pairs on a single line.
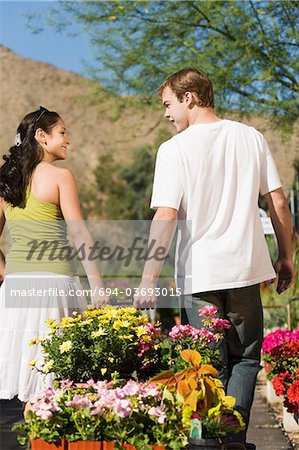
[[126, 187], [248, 48]]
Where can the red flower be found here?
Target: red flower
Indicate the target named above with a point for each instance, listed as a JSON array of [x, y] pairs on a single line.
[[293, 393], [279, 383], [291, 349]]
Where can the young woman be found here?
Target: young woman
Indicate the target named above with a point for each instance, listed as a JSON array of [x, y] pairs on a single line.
[[37, 201]]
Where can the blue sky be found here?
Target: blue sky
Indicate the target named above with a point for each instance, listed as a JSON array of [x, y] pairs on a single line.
[[59, 49]]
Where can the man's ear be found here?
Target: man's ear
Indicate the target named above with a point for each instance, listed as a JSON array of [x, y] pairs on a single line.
[[40, 136], [189, 99]]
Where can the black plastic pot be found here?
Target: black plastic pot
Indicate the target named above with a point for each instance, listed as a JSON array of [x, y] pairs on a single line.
[[204, 444]]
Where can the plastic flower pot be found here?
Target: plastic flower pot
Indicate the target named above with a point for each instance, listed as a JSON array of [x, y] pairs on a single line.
[[158, 447], [40, 444], [204, 444], [107, 445], [129, 446], [85, 445]]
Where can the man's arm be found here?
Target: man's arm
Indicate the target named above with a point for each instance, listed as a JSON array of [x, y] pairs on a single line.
[[282, 223], [162, 231]]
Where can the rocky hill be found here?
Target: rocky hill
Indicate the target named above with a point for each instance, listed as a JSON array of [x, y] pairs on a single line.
[[97, 121]]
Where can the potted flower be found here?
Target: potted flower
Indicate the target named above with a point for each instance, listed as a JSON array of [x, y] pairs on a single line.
[[137, 416], [104, 415], [95, 345], [85, 425], [203, 340], [44, 426], [284, 358], [286, 384], [208, 414], [275, 340]]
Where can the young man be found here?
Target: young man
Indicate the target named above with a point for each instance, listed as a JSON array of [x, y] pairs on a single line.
[[212, 172]]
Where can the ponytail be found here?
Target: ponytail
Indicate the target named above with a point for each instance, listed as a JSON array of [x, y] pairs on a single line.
[[24, 156]]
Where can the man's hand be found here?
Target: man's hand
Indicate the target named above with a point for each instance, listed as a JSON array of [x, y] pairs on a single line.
[[286, 274], [145, 296], [282, 224]]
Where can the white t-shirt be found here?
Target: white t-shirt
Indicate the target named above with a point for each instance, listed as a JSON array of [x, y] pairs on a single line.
[[213, 174]]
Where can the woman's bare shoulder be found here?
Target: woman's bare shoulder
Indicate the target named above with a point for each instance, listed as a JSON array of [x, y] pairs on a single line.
[[50, 173], [46, 181]]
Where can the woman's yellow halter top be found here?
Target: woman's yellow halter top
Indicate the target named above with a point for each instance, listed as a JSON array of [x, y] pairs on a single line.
[[37, 238]]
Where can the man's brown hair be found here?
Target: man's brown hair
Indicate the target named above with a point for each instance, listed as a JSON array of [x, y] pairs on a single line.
[[190, 80]]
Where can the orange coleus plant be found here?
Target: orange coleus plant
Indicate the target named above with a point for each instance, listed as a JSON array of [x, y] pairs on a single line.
[[202, 396], [197, 385]]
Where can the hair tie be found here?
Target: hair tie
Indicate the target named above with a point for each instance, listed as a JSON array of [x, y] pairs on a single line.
[[18, 140]]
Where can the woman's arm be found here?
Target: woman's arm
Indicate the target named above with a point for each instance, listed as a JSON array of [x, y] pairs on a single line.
[[70, 207], [2, 223]]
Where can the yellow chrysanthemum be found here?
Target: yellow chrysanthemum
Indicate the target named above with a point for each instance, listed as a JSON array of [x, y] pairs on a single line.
[[33, 362], [48, 366], [33, 341], [67, 322], [127, 337], [129, 310], [140, 330], [99, 332], [142, 320], [110, 314], [117, 325], [65, 346], [103, 371], [50, 321], [110, 359], [84, 323]]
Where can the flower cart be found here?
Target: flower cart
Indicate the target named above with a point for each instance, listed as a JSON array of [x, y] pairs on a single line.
[[120, 383]]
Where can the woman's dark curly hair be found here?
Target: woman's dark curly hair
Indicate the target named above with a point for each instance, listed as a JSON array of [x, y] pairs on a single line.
[[23, 157]]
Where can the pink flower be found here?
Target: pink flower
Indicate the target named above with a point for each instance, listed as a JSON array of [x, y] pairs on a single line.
[[207, 311], [131, 388], [79, 402], [183, 331], [45, 409], [159, 412], [278, 338], [219, 325], [66, 384], [149, 390], [206, 336], [44, 414], [122, 408]]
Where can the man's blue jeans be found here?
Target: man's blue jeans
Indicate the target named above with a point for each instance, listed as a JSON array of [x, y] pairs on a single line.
[[241, 347]]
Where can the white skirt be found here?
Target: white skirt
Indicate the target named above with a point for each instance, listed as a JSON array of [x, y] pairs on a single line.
[[27, 300]]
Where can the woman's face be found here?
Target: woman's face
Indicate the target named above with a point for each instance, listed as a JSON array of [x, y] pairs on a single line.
[[56, 142]]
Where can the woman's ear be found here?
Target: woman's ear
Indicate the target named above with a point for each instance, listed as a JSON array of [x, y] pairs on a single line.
[[40, 136]]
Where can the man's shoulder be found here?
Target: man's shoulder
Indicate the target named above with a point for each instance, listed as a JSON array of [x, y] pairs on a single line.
[[235, 125], [169, 144]]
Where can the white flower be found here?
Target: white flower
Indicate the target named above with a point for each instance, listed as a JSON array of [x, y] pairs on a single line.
[[18, 140]]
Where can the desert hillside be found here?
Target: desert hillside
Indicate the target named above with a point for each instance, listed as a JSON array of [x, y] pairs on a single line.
[[98, 121]]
